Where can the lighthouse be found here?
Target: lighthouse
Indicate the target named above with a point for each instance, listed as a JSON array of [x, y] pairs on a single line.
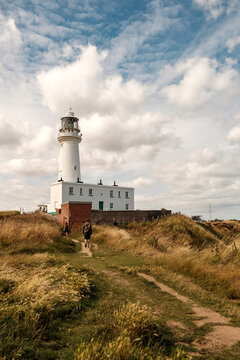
[[69, 138], [69, 188]]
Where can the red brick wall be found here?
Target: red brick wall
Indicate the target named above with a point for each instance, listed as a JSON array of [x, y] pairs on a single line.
[[106, 217], [75, 213]]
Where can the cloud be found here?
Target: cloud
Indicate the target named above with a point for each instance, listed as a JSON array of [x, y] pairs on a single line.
[[113, 133], [139, 30], [29, 167], [39, 145], [212, 8], [10, 41], [233, 135], [10, 135], [16, 192], [232, 43], [207, 176], [83, 85], [113, 112], [201, 80], [140, 182]]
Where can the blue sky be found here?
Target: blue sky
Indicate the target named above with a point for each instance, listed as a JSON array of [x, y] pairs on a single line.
[[155, 85]]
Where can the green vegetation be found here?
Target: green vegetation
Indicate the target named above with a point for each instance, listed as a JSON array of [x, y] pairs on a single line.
[[56, 303]]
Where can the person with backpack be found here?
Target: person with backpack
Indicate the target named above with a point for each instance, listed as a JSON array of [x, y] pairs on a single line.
[[87, 232]]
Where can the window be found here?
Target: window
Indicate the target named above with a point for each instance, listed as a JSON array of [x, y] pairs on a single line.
[[90, 192], [71, 191], [119, 194], [81, 193], [126, 195], [111, 206], [126, 207], [111, 194]]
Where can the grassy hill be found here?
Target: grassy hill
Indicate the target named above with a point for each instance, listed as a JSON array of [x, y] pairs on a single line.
[[55, 303]]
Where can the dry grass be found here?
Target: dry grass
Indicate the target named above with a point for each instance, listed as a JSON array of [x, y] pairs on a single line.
[[182, 246], [8, 213], [27, 229], [36, 288], [176, 230], [218, 277], [113, 237], [45, 286], [136, 337], [226, 228]]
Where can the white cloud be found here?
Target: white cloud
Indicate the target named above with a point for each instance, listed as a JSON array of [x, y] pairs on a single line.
[[212, 8], [137, 31], [234, 135], [114, 133], [16, 192], [29, 167], [202, 79], [113, 115], [39, 145], [10, 41], [207, 176], [140, 182], [10, 135], [232, 43], [83, 85]]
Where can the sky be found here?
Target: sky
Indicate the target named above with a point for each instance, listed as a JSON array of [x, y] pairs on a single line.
[[154, 83]]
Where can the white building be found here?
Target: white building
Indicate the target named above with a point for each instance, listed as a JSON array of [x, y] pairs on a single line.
[[69, 186]]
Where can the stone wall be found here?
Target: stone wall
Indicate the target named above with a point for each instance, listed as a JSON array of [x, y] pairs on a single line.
[[124, 217]]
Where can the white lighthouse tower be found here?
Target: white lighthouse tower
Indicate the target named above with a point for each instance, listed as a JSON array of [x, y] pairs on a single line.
[[69, 138], [70, 188]]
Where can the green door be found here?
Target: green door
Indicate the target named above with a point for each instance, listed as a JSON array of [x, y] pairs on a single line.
[[100, 205]]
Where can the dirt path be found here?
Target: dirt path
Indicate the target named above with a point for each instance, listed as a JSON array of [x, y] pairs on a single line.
[[221, 334], [85, 250]]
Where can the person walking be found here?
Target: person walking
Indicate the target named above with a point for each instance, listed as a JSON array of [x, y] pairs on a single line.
[[115, 222], [87, 232], [66, 229]]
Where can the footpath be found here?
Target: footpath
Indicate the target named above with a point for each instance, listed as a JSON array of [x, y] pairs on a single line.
[[221, 334]]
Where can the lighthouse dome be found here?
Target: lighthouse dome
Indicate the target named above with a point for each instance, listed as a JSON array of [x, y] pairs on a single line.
[[70, 113]]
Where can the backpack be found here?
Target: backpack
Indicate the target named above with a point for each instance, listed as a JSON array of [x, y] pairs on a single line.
[[86, 228]]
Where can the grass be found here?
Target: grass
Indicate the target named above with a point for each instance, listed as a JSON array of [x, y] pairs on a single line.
[[38, 289], [57, 304], [184, 247], [135, 335]]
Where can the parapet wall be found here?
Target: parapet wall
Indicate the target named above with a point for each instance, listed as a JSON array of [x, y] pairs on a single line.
[[127, 216], [77, 213]]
